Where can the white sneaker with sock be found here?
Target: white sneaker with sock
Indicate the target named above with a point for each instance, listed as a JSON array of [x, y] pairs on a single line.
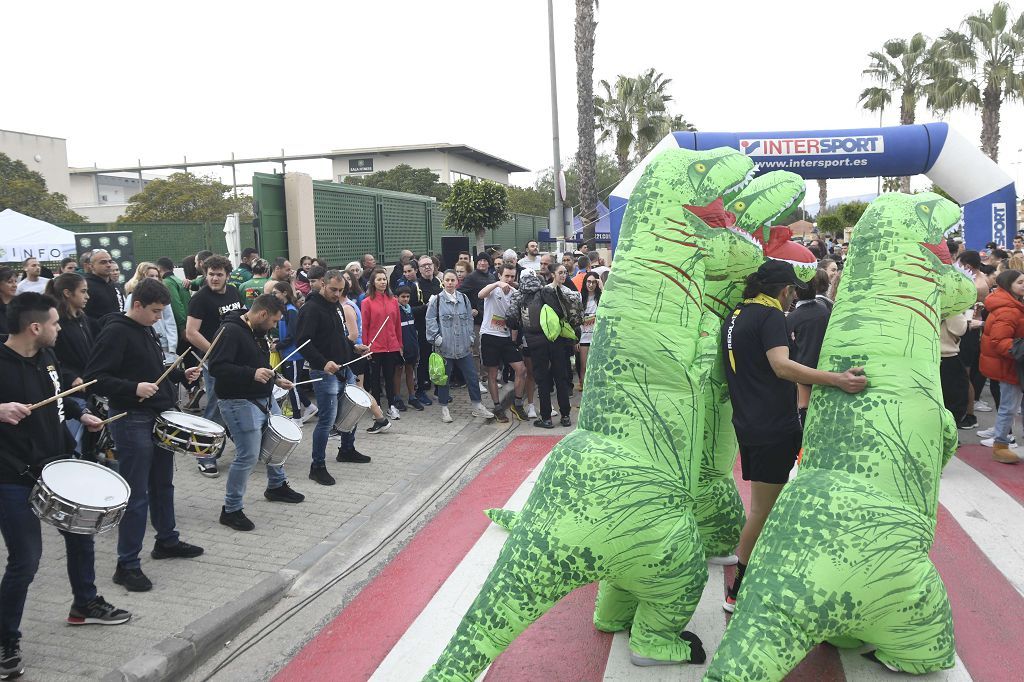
[[446, 416]]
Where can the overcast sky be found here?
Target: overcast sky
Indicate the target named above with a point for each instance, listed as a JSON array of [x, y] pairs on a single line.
[[129, 80]]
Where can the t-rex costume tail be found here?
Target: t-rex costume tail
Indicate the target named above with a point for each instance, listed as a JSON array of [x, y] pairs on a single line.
[[844, 555], [615, 499]]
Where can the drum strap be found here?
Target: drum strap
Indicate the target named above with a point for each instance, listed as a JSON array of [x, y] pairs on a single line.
[[265, 409], [16, 464]]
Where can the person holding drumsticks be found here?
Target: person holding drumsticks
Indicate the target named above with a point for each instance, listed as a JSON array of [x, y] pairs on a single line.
[[245, 385], [322, 324], [30, 373], [126, 360]]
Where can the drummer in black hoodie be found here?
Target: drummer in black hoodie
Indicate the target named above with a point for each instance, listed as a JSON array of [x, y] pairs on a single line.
[[29, 439], [126, 359], [245, 385]]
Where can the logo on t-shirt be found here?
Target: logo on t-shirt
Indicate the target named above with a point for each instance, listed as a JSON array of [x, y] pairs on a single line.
[[55, 378]]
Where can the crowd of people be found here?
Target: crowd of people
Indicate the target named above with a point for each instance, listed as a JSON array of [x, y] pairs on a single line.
[[204, 343]]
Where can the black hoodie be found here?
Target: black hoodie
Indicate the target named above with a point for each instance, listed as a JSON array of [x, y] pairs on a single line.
[[233, 363], [324, 323], [103, 298], [471, 286], [74, 344], [124, 355], [42, 436]]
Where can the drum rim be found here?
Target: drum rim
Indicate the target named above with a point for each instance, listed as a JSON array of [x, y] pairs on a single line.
[[199, 428], [128, 489]]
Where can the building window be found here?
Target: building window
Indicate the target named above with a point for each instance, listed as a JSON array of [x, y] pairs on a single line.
[[456, 176]]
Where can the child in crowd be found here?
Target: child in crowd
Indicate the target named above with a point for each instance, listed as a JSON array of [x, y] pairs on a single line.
[[410, 348]]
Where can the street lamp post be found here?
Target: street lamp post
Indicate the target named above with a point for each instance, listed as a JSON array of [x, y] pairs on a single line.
[[557, 228]]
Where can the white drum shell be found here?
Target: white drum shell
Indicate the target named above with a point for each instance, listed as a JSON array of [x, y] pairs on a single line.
[[280, 438], [80, 497], [351, 408]]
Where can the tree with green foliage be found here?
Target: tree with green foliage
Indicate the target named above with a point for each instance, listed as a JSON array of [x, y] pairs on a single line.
[[586, 154], [942, 193], [529, 200], [606, 173], [185, 197], [24, 191], [989, 52], [890, 184], [830, 224], [630, 114], [404, 178], [914, 69], [475, 208], [850, 212]]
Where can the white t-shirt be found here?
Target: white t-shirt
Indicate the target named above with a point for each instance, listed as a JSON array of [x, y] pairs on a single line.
[[495, 308], [589, 318], [530, 264], [38, 286]]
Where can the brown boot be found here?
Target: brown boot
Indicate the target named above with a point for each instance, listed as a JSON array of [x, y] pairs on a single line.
[[1002, 453]]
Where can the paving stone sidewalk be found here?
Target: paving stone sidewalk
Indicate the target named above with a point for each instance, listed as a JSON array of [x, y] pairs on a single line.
[[185, 590]]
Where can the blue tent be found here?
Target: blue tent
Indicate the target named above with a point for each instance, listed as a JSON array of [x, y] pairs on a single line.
[[604, 227]]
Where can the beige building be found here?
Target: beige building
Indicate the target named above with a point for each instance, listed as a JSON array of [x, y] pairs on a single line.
[[451, 162], [43, 154]]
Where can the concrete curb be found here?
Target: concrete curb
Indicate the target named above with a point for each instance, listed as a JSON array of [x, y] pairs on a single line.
[[177, 656]]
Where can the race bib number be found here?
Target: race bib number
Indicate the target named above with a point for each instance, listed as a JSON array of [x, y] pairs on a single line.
[[588, 324], [497, 322]]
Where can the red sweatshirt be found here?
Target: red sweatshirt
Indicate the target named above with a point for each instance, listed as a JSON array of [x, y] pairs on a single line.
[[375, 311]]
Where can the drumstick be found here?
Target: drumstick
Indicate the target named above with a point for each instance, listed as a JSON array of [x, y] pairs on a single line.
[[309, 381], [177, 361], [196, 355], [112, 419], [378, 332], [76, 389], [358, 359], [285, 358], [210, 349]]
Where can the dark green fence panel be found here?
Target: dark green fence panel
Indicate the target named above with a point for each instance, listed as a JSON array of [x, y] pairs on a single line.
[[268, 194], [346, 224], [404, 226], [173, 240], [505, 235]]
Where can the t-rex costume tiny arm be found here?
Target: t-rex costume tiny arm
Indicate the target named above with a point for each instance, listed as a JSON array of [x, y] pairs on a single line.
[[844, 555], [615, 499]]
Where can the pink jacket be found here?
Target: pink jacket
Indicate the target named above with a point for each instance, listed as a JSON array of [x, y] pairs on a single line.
[[375, 312]]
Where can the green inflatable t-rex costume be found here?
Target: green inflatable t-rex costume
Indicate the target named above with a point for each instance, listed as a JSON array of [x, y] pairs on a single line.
[[844, 555], [719, 509], [615, 499]]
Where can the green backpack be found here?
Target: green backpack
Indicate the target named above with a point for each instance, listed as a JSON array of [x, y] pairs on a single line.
[[555, 326], [435, 364]]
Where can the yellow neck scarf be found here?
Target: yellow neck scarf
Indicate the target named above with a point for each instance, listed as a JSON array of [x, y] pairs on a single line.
[[765, 300]]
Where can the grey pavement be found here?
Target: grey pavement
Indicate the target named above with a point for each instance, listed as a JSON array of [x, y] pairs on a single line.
[[197, 605]]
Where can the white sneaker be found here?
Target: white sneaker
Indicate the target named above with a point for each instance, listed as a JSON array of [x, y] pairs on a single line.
[[531, 411], [446, 416], [298, 422], [483, 387], [989, 442], [986, 433], [482, 412], [394, 413], [982, 406], [309, 412], [730, 560]]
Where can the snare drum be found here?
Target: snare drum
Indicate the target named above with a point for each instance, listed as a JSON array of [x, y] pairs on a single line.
[[351, 407], [80, 497], [187, 434], [280, 437]]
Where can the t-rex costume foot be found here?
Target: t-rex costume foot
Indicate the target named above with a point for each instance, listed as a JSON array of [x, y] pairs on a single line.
[[615, 499], [844, 555]]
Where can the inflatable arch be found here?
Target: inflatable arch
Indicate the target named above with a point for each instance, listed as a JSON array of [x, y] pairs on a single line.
[[985, 191]]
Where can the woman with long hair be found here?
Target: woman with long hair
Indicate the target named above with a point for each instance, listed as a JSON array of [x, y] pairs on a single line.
[[166, 329], [591, 294], [286, 329], [8, 290], [382, 331], [354, 323], [140, 274], [1004, 324], [75, 338]]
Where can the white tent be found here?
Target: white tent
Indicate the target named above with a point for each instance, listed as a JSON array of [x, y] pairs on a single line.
[[23, 237]]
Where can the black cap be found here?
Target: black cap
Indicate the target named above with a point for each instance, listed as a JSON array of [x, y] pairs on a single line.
[[777, 272]]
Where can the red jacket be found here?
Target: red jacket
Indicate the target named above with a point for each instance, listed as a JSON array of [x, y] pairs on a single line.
[[375, 311], [1005, 322]]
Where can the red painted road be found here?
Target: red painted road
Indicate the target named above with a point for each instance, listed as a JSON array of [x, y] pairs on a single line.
[[988, 612]]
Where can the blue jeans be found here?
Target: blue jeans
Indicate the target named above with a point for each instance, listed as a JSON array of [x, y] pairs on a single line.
[[1009, 404], [468, 368], [149, 471], [246, 422], [212, 411], [327, 391], [75, 426], [24, 540]]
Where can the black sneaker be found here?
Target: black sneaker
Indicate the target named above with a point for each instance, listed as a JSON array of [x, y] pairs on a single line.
[[379, 426], [10, 660], [518, 412], [544, 424], [283, 493], [415, 403], [352, 455], [133, 579], [565, 421], [236, 519], [968, 422], [179, 550], [500, 416], [400, 405], [208, 469], [422, 398], [321, 475], [98, 612]]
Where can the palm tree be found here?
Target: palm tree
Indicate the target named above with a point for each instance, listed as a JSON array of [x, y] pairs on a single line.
[[630, 113], [586, 154], [668, 123], [822, 196], [989, 51], [909, 68]]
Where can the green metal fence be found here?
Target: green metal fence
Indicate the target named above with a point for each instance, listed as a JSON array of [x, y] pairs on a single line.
[[353, 220], [174, 240]]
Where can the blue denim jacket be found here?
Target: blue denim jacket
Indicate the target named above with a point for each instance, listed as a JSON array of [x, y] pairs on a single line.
[[456, 325]]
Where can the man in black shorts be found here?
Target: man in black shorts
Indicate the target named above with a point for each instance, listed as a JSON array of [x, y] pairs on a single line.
[[761, 376], [496, 344]]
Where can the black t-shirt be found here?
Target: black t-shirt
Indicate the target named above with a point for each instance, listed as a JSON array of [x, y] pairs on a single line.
[[764, 406], [806, 327], [210, 307]]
